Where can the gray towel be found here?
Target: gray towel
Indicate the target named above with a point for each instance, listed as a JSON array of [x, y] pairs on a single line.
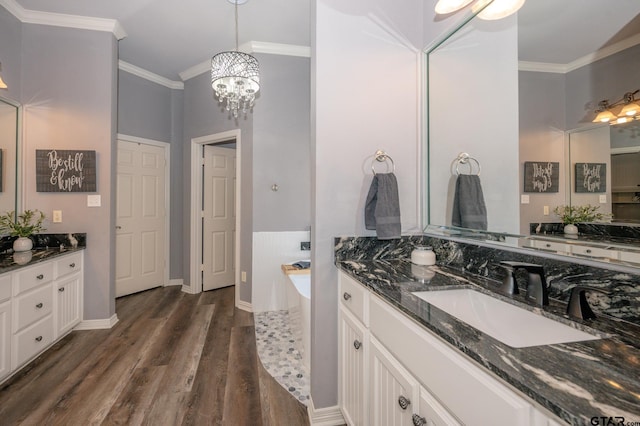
[[382, 208], [469, 210]]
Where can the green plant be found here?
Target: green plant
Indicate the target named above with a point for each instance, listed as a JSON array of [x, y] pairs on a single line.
[[571, 215], [27, 223]]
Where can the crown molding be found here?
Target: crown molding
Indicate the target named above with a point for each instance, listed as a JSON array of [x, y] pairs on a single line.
[[251, 47], [148, 75], [580, 62], [63, 20]]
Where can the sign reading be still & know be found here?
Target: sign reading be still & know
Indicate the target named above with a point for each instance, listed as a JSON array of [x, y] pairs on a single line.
[[65, 170]]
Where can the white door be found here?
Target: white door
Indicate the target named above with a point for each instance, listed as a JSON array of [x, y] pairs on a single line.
[[218, 217], [140, 222]]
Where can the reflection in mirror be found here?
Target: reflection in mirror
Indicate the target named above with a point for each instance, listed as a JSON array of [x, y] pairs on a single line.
[[9, 122], [511, 92]]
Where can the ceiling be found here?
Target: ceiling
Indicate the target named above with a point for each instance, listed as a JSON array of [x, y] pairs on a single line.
[[167, 37]]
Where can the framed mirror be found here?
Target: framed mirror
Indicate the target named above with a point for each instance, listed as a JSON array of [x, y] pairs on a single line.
[[9, 158], [525, 89]]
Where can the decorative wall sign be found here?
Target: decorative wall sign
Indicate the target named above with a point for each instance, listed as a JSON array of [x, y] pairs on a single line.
[[541, 176], [65, 170], [591, 177]]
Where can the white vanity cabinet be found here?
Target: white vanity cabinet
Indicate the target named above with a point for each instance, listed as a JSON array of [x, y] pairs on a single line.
[[5, 325], [414, 377], [39, 304]]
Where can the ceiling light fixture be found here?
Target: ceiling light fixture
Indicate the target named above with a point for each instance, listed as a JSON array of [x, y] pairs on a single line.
[[3, 85], [629, 110], [498, 9], [235, 76]]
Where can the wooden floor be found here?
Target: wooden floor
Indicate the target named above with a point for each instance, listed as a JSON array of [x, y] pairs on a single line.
[[173, 359]]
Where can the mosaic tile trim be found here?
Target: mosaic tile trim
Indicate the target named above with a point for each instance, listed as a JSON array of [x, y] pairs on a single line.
[[279, 353]]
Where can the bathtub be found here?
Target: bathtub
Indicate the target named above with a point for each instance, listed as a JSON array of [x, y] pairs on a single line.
[[299, 305]]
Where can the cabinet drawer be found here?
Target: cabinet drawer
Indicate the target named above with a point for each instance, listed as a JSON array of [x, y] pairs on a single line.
[[476, 397], [33, 306], [33, 276], [630, 256], [5, 287], [549, 245], [354, 297], [32, 341], [594, 252], [69, 264]]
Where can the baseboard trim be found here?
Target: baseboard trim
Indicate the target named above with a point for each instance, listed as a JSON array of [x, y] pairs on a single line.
[[187, 289], [329, 416], [176, 281], [245, 306], [99, 324]]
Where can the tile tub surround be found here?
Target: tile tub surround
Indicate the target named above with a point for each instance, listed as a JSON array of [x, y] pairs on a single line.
[[562, 273], [576, 381]]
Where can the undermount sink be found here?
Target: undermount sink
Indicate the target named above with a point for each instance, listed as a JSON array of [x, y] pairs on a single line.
[[503, 321]]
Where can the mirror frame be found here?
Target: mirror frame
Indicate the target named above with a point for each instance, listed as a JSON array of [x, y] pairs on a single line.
[[18, 153]]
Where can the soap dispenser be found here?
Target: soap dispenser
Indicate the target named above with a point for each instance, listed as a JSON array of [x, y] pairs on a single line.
[[423, 255]]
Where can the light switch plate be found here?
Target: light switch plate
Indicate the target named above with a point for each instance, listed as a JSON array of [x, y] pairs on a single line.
[[57, 216], [545, 210], [603, 199], [524, 199], [94, 201]]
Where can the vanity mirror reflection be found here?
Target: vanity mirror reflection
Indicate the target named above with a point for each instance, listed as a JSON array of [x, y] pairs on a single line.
[[9, 140], [525, 89]]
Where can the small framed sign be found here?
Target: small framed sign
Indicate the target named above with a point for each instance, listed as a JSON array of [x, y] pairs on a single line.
[[65, 170], [541, 176], [591, 177]]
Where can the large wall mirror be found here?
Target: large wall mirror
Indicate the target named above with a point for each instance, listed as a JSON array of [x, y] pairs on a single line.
[[9, 143], [525, 89]]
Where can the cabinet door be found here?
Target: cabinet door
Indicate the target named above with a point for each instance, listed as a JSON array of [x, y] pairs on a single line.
[[5, 338], [394, 392], [68, 309], [353, 381], [432, 413]]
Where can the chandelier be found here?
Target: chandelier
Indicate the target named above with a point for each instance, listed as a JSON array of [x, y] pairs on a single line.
[[612, 113], [235, 76]]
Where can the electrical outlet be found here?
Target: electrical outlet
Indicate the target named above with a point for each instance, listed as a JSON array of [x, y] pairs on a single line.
[[305, 245], [545, 210], [524, 199], [243, 276], [57, 216]]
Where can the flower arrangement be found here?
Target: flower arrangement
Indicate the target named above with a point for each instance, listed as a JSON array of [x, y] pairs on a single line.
[[27, 223], [571, 215]]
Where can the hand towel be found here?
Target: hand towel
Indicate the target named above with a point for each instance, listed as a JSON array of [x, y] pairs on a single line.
[[382, 208], [469, 210]]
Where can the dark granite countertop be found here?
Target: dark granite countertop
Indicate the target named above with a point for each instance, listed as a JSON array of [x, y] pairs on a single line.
[[17, 260], [576, 381]]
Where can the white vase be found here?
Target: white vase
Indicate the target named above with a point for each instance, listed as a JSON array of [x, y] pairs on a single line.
[[22, 244], [571, 229]]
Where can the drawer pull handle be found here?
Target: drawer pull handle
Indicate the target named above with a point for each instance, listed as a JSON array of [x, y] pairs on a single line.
[[357, 344], [548, 245], [419, 421], [39, 339], [588, 250], [40, 277], [61, 289], [73, 265], [403, 402], [39, 305], [346, 296]]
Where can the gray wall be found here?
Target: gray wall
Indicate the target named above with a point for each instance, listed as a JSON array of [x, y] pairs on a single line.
[[203, 116], [152, 111], [69, 96], [10, 36], [542, 121], [281, 150]]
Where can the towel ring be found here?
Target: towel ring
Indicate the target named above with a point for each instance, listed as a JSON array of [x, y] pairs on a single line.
[[381, 157], [465, 158]]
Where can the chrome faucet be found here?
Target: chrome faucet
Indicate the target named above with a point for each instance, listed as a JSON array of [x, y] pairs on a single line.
[[537, 290]]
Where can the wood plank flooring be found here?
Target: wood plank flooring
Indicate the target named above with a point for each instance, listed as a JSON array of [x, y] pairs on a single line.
[[173, 359]]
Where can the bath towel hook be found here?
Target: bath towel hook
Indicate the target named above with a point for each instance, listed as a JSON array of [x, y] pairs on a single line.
[[464, 158], [382, 157]]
